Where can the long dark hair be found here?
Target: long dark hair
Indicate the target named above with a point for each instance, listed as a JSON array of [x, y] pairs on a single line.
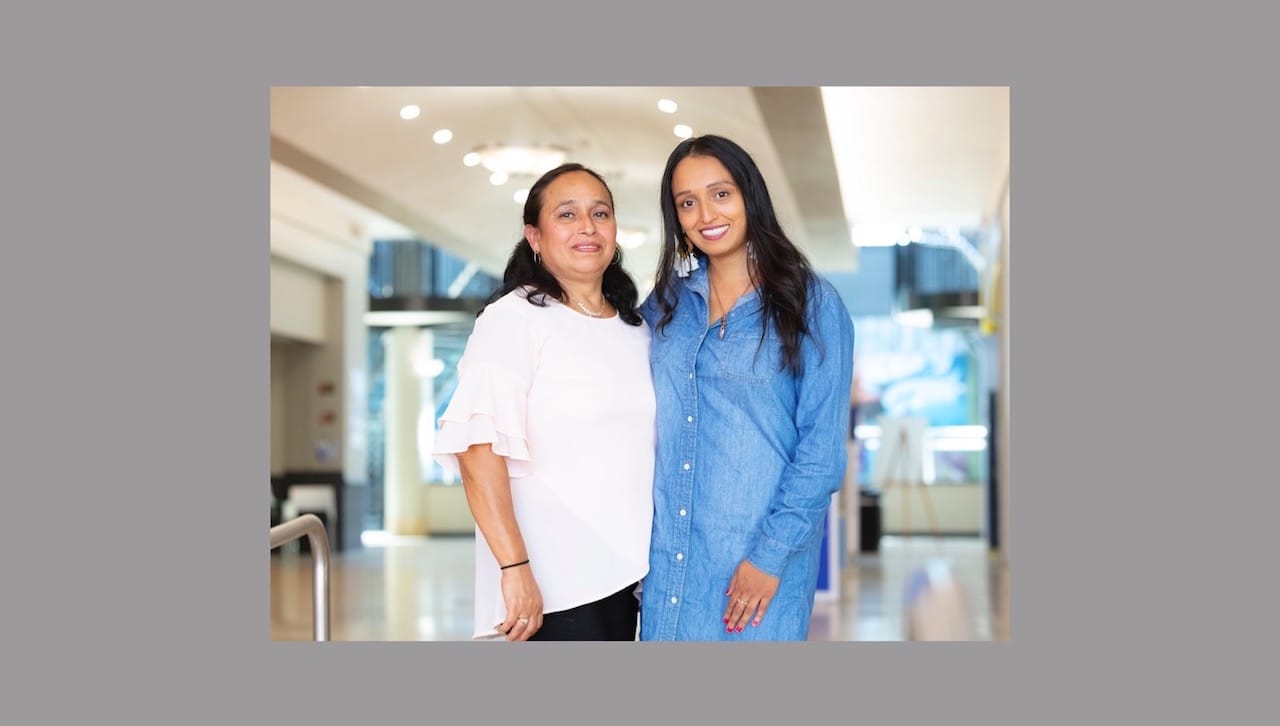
[[780, 271], [522, 269]]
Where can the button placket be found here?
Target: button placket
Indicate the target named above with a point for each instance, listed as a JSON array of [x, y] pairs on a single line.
[[671, 615]]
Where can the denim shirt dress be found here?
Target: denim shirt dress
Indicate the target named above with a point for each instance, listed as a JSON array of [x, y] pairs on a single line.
[[748, 456]]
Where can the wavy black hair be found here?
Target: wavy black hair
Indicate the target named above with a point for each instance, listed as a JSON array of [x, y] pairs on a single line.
[[522, 269], [780, 271]]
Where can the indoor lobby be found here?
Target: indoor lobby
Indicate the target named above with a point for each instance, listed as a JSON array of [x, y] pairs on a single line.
[[393, 212]]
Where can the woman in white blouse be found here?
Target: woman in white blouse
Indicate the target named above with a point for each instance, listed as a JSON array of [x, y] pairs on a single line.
[[552, 427]]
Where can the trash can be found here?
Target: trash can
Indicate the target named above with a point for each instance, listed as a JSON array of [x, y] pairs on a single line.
[[868, 520]]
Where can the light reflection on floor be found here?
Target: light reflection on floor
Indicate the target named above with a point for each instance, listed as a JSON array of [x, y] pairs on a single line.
[[420, 589]]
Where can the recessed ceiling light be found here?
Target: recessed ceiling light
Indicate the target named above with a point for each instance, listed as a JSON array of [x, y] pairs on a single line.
[[666, 105], [410, 112], [471, 158], [520, 196], [498, 178], [682, 131], [443, 136]]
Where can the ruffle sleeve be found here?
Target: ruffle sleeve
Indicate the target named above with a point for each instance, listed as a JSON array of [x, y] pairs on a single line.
[[490, 403], [488, 407]]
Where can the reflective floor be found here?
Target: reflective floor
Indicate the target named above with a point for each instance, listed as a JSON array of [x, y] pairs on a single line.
[[420, 588]]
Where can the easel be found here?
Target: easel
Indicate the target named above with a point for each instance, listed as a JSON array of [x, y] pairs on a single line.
[[898, 471]]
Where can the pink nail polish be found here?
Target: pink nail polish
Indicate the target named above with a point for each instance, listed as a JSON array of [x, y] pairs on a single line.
[[739, 628]]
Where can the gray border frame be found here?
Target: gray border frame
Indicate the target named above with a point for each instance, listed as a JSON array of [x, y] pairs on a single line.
[[136, 152]]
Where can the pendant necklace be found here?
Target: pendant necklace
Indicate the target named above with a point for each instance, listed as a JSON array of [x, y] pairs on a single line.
[[724, 314]]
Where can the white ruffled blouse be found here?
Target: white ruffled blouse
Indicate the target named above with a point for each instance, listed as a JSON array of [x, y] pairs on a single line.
[[568, 401]]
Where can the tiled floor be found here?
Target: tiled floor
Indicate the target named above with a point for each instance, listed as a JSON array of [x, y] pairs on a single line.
[[420, 588]]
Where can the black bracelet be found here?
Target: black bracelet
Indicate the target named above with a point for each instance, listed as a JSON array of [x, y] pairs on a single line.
[[514, 564]]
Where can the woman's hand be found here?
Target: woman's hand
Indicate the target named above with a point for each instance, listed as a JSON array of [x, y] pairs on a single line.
[[523, 600], [750, 592], [488, 489]]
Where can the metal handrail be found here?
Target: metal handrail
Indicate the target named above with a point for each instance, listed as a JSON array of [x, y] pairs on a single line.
[[311, 526]]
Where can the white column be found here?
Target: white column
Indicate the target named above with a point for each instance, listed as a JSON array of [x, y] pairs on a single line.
[[404, 501], [426, 368]]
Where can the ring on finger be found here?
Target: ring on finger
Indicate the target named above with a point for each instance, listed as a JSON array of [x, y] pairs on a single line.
[[522, 621], [744, 602]]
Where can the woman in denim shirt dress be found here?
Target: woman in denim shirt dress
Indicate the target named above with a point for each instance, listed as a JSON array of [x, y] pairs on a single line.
[[752, 360]]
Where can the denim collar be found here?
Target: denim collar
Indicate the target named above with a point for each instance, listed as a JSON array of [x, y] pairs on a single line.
[[698, 282]]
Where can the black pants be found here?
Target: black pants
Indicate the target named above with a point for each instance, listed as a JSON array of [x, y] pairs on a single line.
[[613, 618]]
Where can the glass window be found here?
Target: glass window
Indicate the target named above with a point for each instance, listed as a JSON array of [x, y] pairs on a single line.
[[413, 269]]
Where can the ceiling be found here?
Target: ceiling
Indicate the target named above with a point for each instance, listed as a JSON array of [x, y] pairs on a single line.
[[837, 161]]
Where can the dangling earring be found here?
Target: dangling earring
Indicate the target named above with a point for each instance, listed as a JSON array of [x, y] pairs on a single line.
[[537, 258], [686, 261], [751, 251], [617, 256]]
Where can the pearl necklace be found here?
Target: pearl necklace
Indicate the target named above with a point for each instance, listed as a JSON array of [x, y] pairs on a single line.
[[592, 313]]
